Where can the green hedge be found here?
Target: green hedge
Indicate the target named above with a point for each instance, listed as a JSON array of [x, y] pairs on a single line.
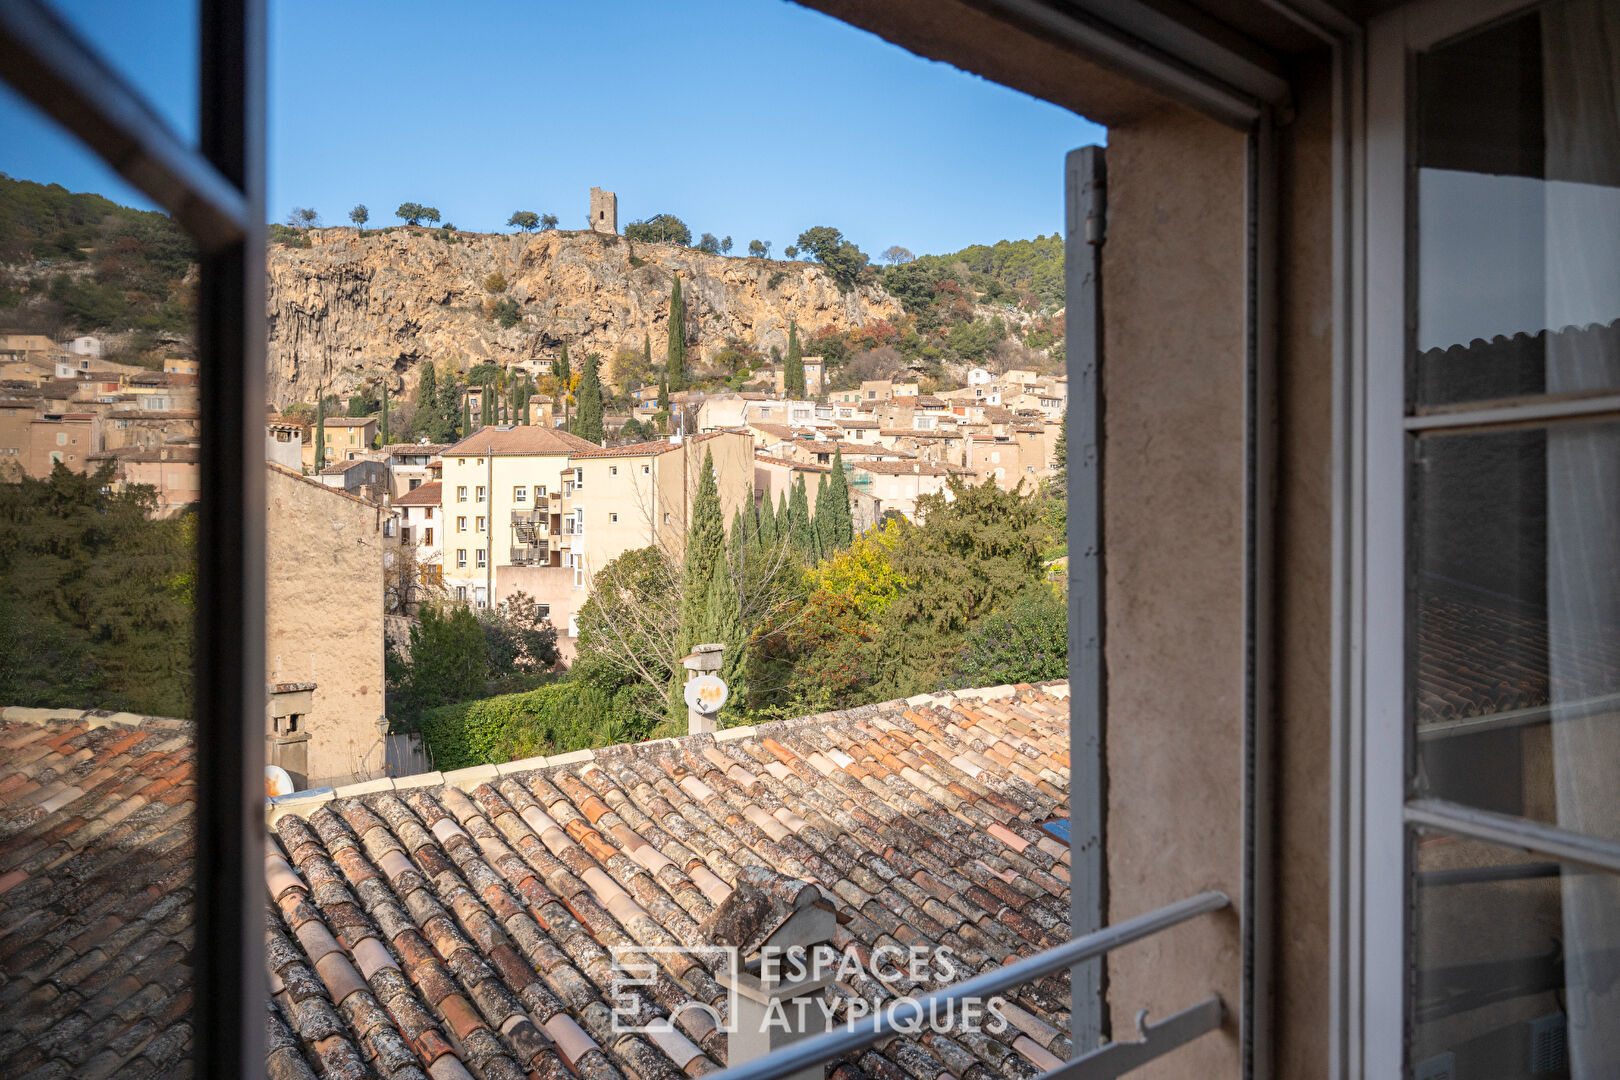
[[551, 720]]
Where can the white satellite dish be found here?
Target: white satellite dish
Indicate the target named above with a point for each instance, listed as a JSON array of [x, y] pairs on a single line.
[[707, 694], [277, 782]]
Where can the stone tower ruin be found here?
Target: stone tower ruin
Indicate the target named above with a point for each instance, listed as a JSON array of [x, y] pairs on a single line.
[[604, 211]]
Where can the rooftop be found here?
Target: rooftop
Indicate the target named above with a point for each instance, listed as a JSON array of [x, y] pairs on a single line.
[[520, 439], [427, 494]]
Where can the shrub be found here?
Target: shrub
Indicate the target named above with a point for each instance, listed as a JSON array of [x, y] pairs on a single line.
[[554, 719], [775, 279], [507, 313], [1027, 641], [495, 283]]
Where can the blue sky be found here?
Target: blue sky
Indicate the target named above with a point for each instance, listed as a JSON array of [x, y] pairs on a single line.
[[753, 118]]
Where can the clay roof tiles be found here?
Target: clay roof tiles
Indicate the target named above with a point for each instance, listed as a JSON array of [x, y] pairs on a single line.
[[468, 927]]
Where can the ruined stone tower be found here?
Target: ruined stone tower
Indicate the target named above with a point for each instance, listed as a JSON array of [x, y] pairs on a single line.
[[604, 211]]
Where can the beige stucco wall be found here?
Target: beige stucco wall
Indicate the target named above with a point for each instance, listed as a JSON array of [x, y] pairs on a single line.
[[324, 616], [1173, 366], [501, 476]]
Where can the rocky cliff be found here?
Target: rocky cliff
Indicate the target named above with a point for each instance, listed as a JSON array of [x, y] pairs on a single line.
[[352, 309]]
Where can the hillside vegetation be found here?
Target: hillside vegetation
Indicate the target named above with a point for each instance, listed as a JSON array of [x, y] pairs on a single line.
[[78, 262]]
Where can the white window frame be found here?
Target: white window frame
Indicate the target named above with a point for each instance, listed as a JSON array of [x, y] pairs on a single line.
[[461, 558], [480, 558], [520, 493]]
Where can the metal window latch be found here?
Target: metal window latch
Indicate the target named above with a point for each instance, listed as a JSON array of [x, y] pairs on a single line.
[[1152, 1041]]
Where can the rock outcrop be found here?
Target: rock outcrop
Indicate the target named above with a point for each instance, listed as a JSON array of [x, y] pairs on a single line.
[[352, 309]]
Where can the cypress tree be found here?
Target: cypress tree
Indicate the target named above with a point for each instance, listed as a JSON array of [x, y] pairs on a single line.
[[722, 622], [705, 550], [588, 422], [804, 540], [320, 433], [564, 375], [486, 407], [843, 530], [646, 350], [663, 392], [825, 519], [427, 390], [793, 374], [767, 522], [784, 518], [466, 415], [675, 365], [383, 433]]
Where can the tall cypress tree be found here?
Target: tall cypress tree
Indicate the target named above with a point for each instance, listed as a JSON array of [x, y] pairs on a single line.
[[565, 375], [843, 528], [825, 519], [320, 433], [663, 392], [646, 350], [466, 414], [793, 373], [486, 407], [767, 522], [382, 434], [784, 517], [675, 365], [588, 422], [804, 539], [705, 551]]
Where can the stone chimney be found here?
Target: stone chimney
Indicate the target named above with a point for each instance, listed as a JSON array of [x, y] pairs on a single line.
[[777, 1001]]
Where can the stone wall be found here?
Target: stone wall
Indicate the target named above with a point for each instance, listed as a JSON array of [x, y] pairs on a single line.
[[324, 617]]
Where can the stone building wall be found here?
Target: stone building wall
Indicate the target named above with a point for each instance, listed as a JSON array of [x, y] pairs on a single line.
[[604, 211]]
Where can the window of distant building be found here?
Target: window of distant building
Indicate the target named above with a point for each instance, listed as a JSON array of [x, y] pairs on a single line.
[[544, 611], [414, 485], [579, 479], [480, 527], [61, 438], [646, 470], [461, 562], [461, 523], [540, 491], [461, 461], [461, 591], [520, 494], [482, 558], [427, 536], [461, 493], [613, 519], [481, 493], [613, 470], [427, 513]]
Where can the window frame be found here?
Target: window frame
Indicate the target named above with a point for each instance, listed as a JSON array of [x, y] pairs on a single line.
[[215, 192], [1374, 746]]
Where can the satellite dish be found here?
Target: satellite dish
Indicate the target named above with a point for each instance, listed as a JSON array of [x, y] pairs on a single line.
[[707, 694], [277, 782]]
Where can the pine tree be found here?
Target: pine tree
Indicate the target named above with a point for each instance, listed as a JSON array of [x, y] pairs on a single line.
[[320, 433], [675, 364], [588, 421], [843, 527], [793, 374], [705, 550], [804, 539], [382, 434]]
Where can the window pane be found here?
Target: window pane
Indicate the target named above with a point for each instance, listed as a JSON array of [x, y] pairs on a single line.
[[153, 46], [1514, 960], [1518, 208], [98, 488], [1516, 688]]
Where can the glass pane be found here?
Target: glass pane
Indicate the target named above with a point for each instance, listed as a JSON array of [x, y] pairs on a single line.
[[152, 45], [1518, 208], [98, 486], [1516, 691], [1514, 960]]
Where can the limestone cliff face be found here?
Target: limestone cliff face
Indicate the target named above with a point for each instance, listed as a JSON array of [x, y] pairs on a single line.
[[352, 309]]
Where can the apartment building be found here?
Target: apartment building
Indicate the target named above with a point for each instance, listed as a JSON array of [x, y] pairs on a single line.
[[173, 472], [421, 526], [897, 485], [67, 438], [410, 465]]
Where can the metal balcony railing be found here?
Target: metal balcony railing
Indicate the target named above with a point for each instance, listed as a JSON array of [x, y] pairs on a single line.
[[1104, 1063]]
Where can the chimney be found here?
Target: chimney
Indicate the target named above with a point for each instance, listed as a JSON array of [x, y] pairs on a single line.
[[775, 928]]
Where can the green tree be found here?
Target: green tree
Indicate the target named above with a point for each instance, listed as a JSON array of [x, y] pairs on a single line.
[[793, 371], [565, 377], [675, 363], [97, 606], [588, 421], [725, 245], [799, 527], [427, 390], [894, 255], [663, 393], [486, 406], [632, 431], [784, 517], [1059, 485], [466, 416], [1025, 641], [708, 244], [320, 434], [823, 521], [758, 248], [360, 215], [791, 252], [449, 660], [767, 522], [705, 549], [548, 221], [846, 264], [527, 220], [659, 229], [841, 528], [382, 429], [416, 213]]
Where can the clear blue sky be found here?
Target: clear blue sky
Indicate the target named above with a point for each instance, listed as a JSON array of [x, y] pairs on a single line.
[[753, 118]]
